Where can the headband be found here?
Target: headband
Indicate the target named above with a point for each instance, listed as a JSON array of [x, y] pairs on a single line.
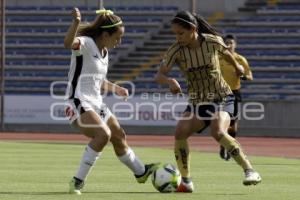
[[104, 12], [112, 25], [108, 12], [185, 21]]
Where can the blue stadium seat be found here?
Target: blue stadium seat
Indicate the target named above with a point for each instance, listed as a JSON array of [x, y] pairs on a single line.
[[23, 8], [268, 52], [31, 38], [23, 84], [120, 8], [50, 8]]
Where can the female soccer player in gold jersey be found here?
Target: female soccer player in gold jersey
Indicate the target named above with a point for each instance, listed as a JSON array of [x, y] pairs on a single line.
[[196, 51]]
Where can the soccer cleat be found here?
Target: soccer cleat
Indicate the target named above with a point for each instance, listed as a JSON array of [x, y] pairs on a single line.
[[224, 154], [186, 185], [149, 169], [75, 186], [251, 177]]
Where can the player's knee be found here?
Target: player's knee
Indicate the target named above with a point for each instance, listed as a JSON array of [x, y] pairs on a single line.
[[217, 134], [103, 134], [118, 136], [181, 133]]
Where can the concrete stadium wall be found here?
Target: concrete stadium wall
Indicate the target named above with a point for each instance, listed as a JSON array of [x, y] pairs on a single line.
[[281, 119], [203, 6]]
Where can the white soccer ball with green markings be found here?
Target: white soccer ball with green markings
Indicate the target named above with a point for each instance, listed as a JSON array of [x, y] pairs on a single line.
[[166, 178]]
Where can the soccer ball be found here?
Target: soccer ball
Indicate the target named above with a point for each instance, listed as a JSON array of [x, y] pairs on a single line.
[[166, 178]]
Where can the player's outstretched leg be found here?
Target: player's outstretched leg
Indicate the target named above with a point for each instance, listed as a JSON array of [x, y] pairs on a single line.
[[126, 155], [233, 147], [149, 169]]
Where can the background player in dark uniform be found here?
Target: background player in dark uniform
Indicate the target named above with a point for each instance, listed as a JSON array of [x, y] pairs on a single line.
[[234, 81]]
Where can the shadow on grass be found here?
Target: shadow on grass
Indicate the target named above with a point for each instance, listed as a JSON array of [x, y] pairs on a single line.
[[111, 192], [230, 194], [276, 164], [66, 193], [133, 192], [34, 193]]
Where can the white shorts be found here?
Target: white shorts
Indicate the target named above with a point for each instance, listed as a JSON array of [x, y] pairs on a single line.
[[77, 107]]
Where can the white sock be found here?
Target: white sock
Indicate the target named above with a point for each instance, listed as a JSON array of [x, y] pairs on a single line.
[[132, 162], [87, 161]]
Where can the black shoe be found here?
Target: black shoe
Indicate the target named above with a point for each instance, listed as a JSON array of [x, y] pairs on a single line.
[[227, 156], [222, 153]]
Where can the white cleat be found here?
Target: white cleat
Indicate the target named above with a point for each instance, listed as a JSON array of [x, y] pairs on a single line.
[[186, 186], [251, 177]]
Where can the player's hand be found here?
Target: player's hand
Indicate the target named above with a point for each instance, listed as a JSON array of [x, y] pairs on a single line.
[[76, 14], [123, 92], [174, 86]]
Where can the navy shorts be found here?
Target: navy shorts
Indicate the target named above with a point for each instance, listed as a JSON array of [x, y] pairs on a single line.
[[237, 100], [204, 111]]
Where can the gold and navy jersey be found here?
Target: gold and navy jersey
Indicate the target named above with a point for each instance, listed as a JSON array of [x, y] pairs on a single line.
[[229, 73], [201, 68]]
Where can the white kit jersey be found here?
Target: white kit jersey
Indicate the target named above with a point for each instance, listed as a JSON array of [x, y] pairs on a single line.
[[87, 71]]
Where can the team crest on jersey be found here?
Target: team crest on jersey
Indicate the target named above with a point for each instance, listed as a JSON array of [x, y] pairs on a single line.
[[102, 114]]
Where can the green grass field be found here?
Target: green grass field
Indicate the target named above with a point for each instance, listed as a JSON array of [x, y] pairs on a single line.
[[42, 171]]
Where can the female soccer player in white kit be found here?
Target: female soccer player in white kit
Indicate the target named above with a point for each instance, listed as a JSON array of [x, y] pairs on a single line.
[[87, 76]]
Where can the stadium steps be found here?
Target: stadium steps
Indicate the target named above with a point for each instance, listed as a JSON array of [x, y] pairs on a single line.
[[248, 32], [270, 60], [142, 57], [263, 41], [253, 5], [35, 38]]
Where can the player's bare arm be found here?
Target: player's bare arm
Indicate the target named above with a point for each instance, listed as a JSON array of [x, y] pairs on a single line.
[[70, 41], [238, 68], [248, 73], [249, 76], [112, 87], [162, 78]]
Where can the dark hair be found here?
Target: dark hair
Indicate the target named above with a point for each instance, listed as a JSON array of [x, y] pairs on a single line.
[[95, 29], [187, 20], [230, 37]]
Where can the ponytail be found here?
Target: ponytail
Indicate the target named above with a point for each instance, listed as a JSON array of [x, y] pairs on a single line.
[[204, 26], [188, 20]]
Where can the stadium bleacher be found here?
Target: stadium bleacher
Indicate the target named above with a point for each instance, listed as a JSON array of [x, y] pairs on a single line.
[[34, 41], [269, 39], [272, 50]]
